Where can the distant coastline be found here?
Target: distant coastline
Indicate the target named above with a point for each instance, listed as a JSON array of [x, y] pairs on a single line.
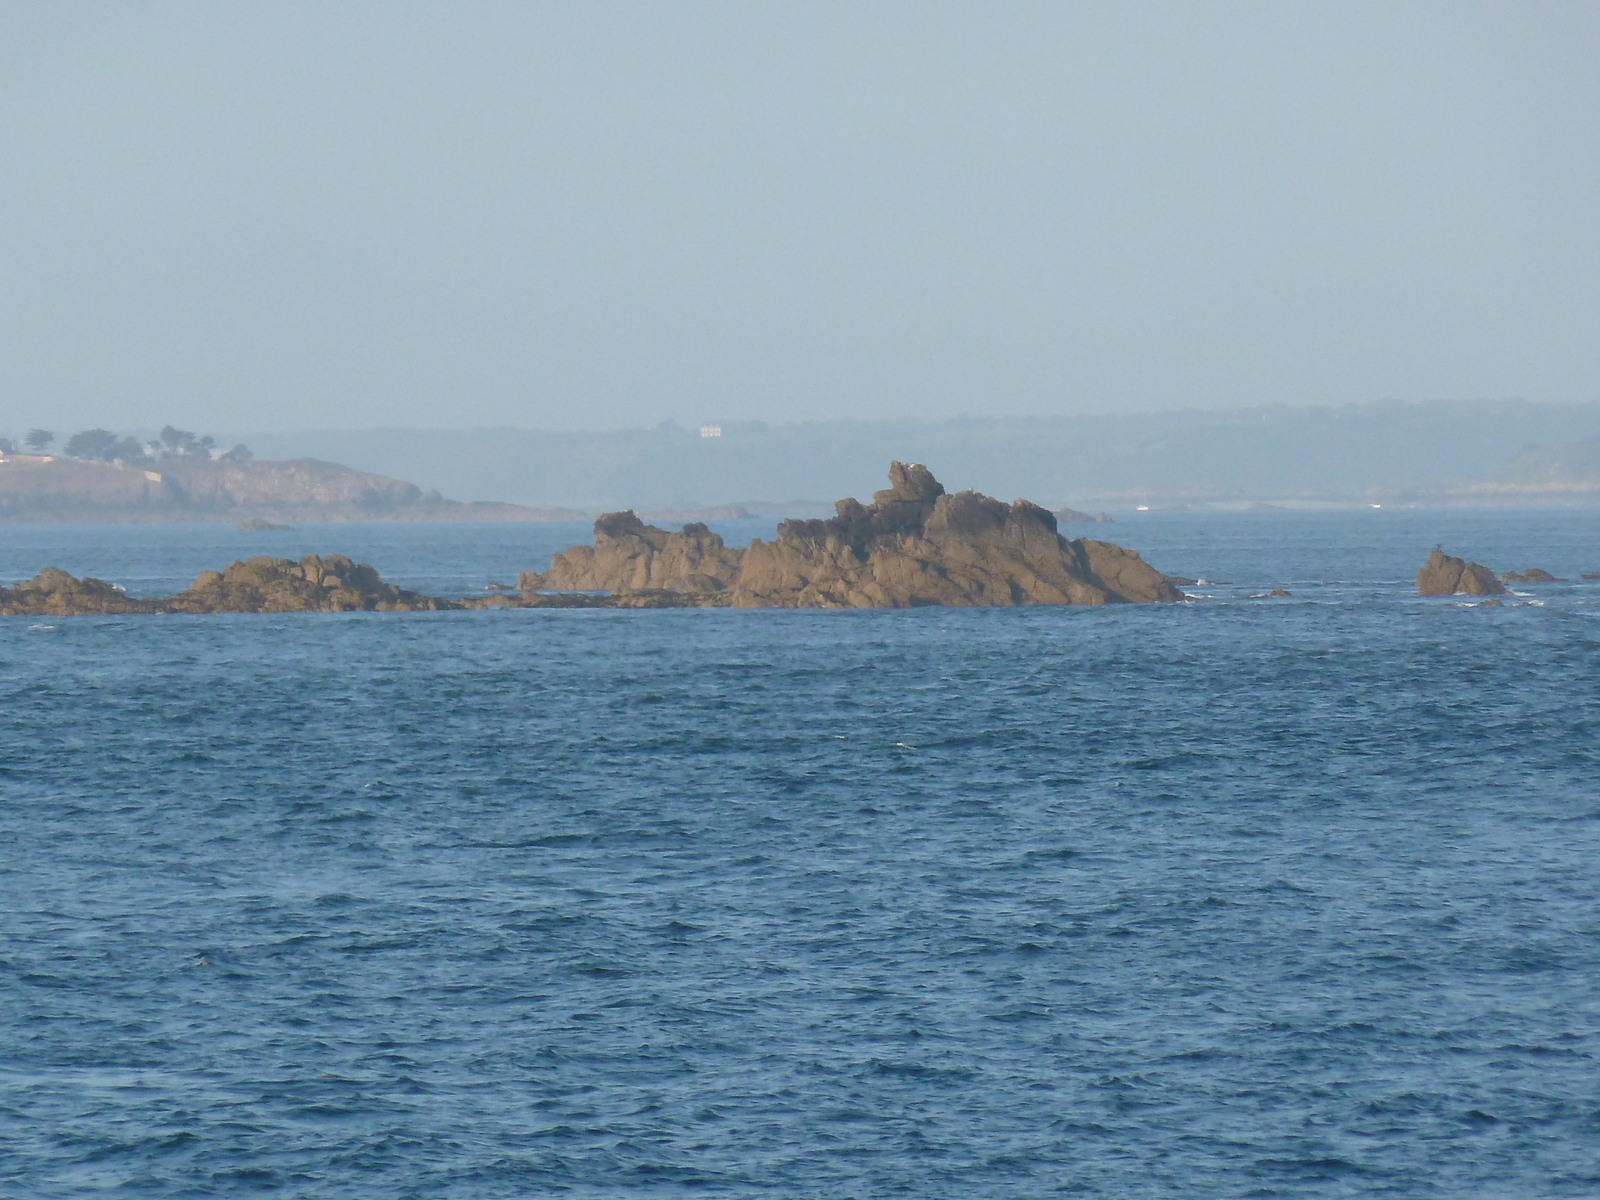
[[47, 490], [1447, 452], [1504, 454]]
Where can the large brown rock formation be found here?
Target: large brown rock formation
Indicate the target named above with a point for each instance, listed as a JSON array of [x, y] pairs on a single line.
[[1443, 575], [913, 545]]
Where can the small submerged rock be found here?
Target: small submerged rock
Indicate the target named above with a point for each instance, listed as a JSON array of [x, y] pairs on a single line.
[[1531, 575]]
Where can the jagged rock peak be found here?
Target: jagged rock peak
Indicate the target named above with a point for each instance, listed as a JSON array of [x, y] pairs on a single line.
[[909, 483], [622, 524]]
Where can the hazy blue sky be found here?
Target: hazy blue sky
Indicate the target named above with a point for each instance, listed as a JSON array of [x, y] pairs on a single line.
[[279, 215]]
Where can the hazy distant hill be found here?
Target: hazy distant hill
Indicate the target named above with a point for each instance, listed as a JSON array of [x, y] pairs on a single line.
[[1561, 465], [202, 489], [1249, 452]]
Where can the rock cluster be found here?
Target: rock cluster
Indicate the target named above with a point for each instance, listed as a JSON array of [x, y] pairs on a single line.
[[1443, 575], [261, 584], [915, 544]]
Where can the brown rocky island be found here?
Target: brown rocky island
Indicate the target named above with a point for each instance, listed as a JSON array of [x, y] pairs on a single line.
[[915, 544], [1446, 575], [262, 584]]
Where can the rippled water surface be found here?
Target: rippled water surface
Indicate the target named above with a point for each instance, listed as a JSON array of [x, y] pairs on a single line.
[[1241, 898]]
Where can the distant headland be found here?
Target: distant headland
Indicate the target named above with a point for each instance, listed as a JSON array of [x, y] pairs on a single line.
[[1444, 453], [100, 478]]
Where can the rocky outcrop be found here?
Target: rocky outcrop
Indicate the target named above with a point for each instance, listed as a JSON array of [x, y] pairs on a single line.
[[314, 584], [258, 585], [54, 593], [629, 554], [1531, 575], [1443, 575], [915, 544]]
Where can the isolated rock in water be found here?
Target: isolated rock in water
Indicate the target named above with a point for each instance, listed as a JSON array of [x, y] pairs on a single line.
[[913, 545], [333, 584], [1443, 575], [314, 584], [627, 553], [1531, 575], [54, 593]]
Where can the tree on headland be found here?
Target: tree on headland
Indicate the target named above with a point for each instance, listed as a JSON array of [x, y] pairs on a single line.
[[97, 444], [181, 443], [101, 445], [39, 440]]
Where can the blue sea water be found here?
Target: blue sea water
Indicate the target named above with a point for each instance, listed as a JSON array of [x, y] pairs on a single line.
[[1244, 898]]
